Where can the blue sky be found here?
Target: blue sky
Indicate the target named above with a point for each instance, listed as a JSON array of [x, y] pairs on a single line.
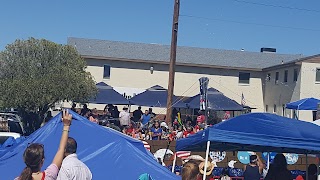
[[203, 23]]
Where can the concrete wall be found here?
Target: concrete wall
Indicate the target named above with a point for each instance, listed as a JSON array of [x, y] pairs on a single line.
[[310, 87], [284, 92], [280, 93], [137, 75]]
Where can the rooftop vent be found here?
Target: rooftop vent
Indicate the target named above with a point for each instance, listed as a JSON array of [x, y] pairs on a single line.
[[268, 50]]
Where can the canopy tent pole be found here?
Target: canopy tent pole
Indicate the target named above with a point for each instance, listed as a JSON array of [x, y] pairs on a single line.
[[174, 162], [268, 162], [206, 162], [318, 164], [307, 174]]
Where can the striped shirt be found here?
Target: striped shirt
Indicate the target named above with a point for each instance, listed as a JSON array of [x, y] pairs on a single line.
[[73, 169]]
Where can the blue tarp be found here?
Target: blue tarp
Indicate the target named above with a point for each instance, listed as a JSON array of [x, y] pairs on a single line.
[[304, 104], [259, 132], [107, 95], [156, 96], [108, 153], [216, 101]]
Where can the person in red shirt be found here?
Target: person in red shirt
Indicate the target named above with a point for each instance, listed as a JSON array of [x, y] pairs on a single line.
[[199, 126], [201, 118], [130, 130], [188, 132]]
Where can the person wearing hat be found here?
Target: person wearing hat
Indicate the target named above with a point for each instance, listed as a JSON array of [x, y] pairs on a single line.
[[208, 172], [165, 131], [254, 169], [199, 126], [124, 117]]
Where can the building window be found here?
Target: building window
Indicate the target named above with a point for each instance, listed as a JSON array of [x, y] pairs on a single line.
[[285, 79], [318, 75], [314, 115], [106, 71], [244, 78], [295, 75], [268, 77], [267, 108], [274, 108], [277, 78]]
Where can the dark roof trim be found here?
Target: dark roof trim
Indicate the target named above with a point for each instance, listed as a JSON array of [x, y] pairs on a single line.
[[299, 61], [167, 63]]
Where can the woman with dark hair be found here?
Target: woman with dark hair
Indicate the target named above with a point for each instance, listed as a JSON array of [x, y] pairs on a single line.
[[312, 173], [34, 156], [156, 131], [278, 169]]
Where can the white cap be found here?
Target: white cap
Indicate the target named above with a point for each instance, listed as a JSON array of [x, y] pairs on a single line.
[[163, 124]]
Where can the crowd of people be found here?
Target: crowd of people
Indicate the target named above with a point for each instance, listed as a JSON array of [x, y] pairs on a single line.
[[66, 165], [144, 125], [194, 170]]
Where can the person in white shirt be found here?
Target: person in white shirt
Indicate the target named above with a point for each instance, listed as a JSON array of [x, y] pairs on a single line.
[[72, 168], [124, 117]]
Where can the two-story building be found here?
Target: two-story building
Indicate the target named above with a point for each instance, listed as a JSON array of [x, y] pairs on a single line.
[[267, 80]]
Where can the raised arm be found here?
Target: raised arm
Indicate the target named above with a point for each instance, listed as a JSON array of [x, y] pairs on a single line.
[[66, 119], [261, 165]]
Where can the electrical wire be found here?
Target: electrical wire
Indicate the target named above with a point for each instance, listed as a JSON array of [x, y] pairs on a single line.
[[249, 23], [277, 6]]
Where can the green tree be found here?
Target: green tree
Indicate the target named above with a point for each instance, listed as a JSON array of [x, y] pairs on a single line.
[[37, 73]]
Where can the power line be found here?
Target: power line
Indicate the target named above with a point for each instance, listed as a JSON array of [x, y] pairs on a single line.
[[249, 23], [277, 6]]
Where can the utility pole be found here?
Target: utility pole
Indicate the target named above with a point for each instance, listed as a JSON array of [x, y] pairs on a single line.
[[173, 52]]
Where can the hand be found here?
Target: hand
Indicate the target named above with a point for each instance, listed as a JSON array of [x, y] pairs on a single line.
[[66, 118]]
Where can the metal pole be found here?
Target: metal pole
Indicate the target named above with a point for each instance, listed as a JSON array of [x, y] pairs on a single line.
[[173, 52], [307, 174], [174, 162], [206, 162]]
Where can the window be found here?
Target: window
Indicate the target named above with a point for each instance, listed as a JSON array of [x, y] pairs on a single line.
[[244, 78], [274, 108], [106, 71], [285, 79], [295, 75], [267, 108], [318, 75], [277, 78], [314, 115], [268, 77]]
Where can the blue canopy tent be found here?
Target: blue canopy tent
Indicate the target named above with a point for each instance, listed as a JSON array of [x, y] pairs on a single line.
[[259, 132], [107, 95], [304, 104], [156, 96], [106, 152], [216, 101]]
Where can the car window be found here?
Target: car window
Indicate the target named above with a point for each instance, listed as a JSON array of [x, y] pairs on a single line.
[[15, 127], [3, 139]]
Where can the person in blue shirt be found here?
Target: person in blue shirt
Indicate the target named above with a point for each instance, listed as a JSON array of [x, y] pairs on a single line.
[[156, 131], [145, 118]]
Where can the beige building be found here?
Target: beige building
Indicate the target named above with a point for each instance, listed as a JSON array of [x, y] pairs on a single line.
[[133, 67]]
